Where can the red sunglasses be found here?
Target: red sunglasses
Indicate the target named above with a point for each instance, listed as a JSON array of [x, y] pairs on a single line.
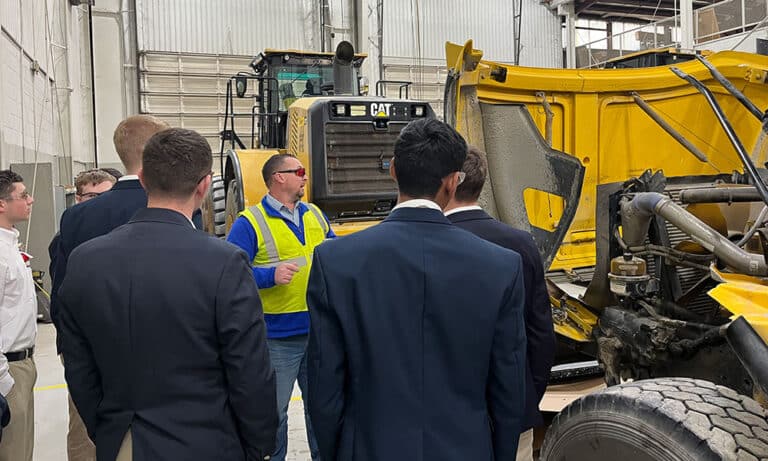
[[300, 172]]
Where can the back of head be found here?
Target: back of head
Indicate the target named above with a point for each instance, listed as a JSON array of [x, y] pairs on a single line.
[[426, 151], [92, 177], [130, 137], [476, 170], [174, 163]]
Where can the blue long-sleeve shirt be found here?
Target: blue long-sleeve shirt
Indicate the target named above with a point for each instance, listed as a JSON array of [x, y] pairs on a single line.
[[243, 235]]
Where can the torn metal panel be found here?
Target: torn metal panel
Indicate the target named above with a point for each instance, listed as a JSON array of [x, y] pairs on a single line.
[[520, 159]]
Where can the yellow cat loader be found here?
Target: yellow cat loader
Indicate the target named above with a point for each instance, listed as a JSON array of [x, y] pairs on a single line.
[[310, 105], [644, 189]]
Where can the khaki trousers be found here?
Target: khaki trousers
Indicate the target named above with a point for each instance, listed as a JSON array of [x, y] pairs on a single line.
[[126, 448], [19, 435], [525, 446], [79, 445]]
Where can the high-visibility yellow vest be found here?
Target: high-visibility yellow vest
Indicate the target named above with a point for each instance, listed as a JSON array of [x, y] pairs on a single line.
[[278, 244]]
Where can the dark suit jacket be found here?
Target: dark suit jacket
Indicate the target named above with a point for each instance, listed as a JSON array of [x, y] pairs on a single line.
[[417, 343], [539, 329], [163, 333], [91, 219]]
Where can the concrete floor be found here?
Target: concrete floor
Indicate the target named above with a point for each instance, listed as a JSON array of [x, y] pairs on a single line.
[[51, 406]]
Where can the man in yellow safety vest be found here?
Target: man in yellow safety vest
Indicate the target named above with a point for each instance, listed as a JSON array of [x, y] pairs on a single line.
[[280, 234]]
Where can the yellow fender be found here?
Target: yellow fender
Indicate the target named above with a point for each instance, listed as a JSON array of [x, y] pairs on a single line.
[[748, 299]]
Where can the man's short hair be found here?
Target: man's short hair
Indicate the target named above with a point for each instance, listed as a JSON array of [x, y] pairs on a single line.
[[93, 177], [7, 179], [175, 161], [132, 134], [476, 169], [272, 166], [426, 151], [113, 171]]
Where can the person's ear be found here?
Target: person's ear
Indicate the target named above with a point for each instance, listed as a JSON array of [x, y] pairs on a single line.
[[203, 186], [141, 178], [392, 173]]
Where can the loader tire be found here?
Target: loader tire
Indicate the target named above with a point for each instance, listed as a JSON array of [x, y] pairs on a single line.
[[664, 419], [233, 206], [213, 208]]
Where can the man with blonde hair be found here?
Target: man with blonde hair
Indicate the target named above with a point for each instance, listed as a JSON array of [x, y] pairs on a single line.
[[96, 217]]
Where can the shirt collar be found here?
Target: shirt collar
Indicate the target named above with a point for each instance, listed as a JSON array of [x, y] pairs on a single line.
[[9, 236], [463, 208], [278, 205], [128, 177], [418, 203]]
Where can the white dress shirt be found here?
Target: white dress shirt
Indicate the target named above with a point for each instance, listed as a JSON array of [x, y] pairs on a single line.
[[418, 203], [459, 209], [18, 304]]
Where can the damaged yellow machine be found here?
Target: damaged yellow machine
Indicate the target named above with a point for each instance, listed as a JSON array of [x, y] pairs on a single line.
[[645, 192]]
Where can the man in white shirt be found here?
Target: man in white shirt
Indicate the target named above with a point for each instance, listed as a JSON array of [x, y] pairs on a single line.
[[18, 328]]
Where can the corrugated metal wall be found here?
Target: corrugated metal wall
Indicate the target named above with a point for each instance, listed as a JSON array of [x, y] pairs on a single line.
[[541, 35], [415, 32], [413, 48], [233, 27], [420, 28]]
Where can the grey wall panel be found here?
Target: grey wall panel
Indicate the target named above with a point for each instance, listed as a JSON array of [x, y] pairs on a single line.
[[420, 28], [241, 27], [541, 36]]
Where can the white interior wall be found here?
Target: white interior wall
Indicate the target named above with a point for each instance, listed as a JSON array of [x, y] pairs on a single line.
[[44, 96]]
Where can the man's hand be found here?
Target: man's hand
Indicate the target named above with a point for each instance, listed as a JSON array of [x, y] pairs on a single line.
[[284, 273]]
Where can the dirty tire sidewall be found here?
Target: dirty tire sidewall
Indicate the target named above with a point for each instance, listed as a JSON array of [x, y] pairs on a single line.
[[213, 208], [665, 419], [231, 209]]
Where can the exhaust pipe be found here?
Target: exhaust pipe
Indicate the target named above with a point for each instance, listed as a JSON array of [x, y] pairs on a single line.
[[343, 72], [636, 217]]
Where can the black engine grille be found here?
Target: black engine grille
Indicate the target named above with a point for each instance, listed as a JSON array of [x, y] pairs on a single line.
[[358, 157]]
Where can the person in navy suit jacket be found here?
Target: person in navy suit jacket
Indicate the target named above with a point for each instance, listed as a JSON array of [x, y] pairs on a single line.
[[463, 211], [162, 328], [96, 217], [417, 342]]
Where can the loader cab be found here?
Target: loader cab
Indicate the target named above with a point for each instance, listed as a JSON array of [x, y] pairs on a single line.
[[287, 75]]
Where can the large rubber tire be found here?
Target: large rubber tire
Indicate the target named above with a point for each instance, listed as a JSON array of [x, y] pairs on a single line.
[[213, 208], [665, 419], [232, 208]]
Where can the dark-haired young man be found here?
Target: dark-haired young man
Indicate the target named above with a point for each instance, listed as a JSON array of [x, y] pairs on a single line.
[[416, 345], [93, 216], [279, 234], [162, 328], [18, 316], [463, 211]]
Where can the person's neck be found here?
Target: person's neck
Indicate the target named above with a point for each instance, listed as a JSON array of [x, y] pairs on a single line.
[[5, 224], [185, 207], [284, 199], [404, 198], [458, 204]]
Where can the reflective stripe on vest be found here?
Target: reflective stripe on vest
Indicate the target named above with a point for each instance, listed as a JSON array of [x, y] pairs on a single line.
[[277, 244]]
